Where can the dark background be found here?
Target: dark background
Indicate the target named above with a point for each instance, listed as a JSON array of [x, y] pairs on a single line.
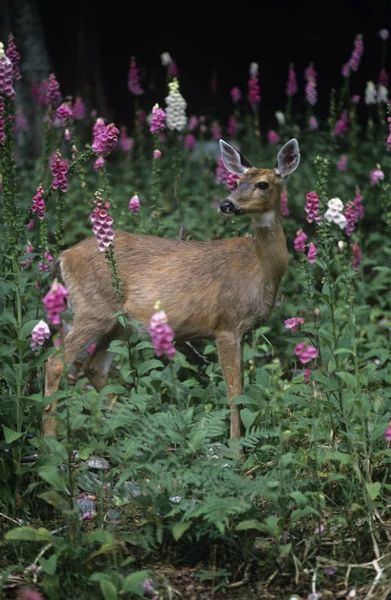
[[89, 44]]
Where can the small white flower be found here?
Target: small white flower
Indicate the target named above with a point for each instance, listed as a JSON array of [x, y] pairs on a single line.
[[335, 203], [370, 93], [341, 245], [165, 58], [384, 34], [254, 69], [280, 117], [176, 108], [333, 213], [382, 94]]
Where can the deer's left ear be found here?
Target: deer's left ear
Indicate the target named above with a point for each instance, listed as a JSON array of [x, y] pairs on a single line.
[[233, 160], [288, 158]]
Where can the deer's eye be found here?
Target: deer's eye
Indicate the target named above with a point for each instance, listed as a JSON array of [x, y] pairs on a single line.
[[262, 185]]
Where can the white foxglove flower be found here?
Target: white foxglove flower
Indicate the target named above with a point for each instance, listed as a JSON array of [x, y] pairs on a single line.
[[280, 117], [384, 34], [335, 204], [382, 94], [165, 58], [370, 93], [254, 69], [39, 334], [334, 213], [176, 106]]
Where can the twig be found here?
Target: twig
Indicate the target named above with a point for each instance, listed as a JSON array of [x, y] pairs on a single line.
[[17, 521]]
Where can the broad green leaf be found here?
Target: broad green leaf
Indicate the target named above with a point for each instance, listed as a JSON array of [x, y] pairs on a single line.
[[54, 477], [148, 365], [299, 498], [28, 327], [348, 378], [300, 513], [112, 388], [142, 345], [251, 524], [54, 499], [373, 489], [108, 589], [29, 534], [248, 417], [10, 435], [179, 529], [49, 565], [133, 583]]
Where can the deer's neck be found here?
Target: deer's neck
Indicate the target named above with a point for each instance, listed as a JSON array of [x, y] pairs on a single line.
[[270, 243]]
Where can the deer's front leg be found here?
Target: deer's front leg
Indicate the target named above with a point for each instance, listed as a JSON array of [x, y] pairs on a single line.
[[230, 356]]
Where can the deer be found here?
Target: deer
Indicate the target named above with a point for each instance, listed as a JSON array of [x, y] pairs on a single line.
[[218, 289]]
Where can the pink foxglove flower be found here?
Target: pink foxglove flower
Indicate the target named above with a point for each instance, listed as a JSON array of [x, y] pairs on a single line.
[[232, 181], [44, 266], [383, 78], [310, 88], [357, 53], [14, 56], [99, 163], [55, 302], [342, 164], [376, 176], [125, 141], [38, 205], [64, 111], [102, 223], [193, 123], [105, 141], [387, 434], [291, 86], [254, 96], [313, 123], [79, 109], [311, 254], [29, 259], [232, 128], [357, 256], [158, 120], [307, 374], [305, 353], [273, 137], [157, 154], [39, 334], [284, 203], [312, 208], [236, 95], [221, 172], [341, 125], [53, 94], [98, 127], [216, 131], [6, 74], [134, 84], [299, 241], [294, 323], [189, 141], [355, 99], [134, 204], [67, 134], [350, 216], [162, 335], [358, 207], [59, 170]]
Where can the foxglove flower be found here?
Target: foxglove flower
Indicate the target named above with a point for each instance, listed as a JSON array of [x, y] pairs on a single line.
[[387, 434], [305, 353], [102, 223], [273, 137], [176, 107], [6, 74], [14, 56], [341, 125], [307, 374], [29, 259], [232, 181], [294, 323], [189, 141], [38, 205], [105, 141], [53, 94], [254, 96], [357, 257], [357, 53], [291, 86], [370, 93], [299, 241], [313, 123], [284, 203], [382, 94], [79, 109], [334, 213], [193, 123], [64, 111], [44, 266], [162, 335], [342, 164], [311, 254], [310, 88], [158, 120], [156, 154], [312, 208], [55, 302], [384, 34], [376, 176], [236, 95], [59, 170], [99, 163], [232, 128], [355, 99], [134, 84], [98, 127], [134, 204], [221, 172], [2, 122]]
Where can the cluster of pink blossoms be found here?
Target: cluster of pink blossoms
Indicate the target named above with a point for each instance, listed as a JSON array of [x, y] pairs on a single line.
[[312, 208], [357, 256], [354, 211], [342, 164], [158, 120], [48, 260], [387, 434], [284, 203], [376, 175], [102, 223], [221, 172], [189, 141], [273, 137], [236, 95], [134, 84], [29, 259], [53, 94], [14, 56], [134, 204], [300, 240], [232, 128], [6, 75], [254, 96], [156, 154], [64, 112], [38, 205], [79, 109], [39, 334], [310, 88], [162, 335], [355, 59], [293, 323], [291, 85], [341, 125], [106, 140], [59, 170], [305, 353], [312, 252], [55, 302], [232, 181]]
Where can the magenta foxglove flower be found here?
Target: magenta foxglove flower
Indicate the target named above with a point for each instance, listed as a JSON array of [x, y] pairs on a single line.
[[357, 53], [53, 94], [355, 99], [387, 434], [29, 259], [342, 164], [232, 181], [125, 141], [299, 241], [358, 207], [232, 128], [59, 170], [79, 109], [134, 84], [284, 203], [39, 203], [64, 111], [291, 86], [189, 141], [55, 302], [254, 96], [305, 353], [14, 56], [311, 254], [311, 92], [216, 131], [273, 137], [158, 120], [312, 208], [294, 323], [6, 74], [102, 223], [99, 163], [313, 123], [44, 266], [236, 95], [357, 256], [39, 334], [134, 204], [376, 176], [2, 122], [307, 374], [105, 141], [193, 123], [162, 335], [157, 154], [341, 125], [98, 127], [350, 216], [221, 172]]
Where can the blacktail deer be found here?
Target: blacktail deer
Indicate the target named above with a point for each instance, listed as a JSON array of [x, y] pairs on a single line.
[[218, 289]]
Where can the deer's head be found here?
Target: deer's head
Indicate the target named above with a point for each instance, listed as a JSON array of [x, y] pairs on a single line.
[[259, 190]]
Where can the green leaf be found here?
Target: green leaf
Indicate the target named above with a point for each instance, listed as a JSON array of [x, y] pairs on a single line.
[[28, 327], [299, 498], [148, 365], [29, 534], [108, 589], [300, 513], [248, 417], [54, 499], [10, 435], [112, 388], [373, 489], [284, 549], [49, 565], [348, 378], [344, 351], [251, 524], [133, 583], [179, 529], [143, 345], [119, 347], [54, 477]]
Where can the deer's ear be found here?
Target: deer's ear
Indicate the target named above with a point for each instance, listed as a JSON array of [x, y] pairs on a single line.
[[233, 160], [288, 158]]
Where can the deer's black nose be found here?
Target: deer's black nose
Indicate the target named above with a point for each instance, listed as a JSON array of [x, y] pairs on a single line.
[[227, 206]]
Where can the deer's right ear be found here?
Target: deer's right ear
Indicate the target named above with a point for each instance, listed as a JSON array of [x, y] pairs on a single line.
[[233, 160]]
